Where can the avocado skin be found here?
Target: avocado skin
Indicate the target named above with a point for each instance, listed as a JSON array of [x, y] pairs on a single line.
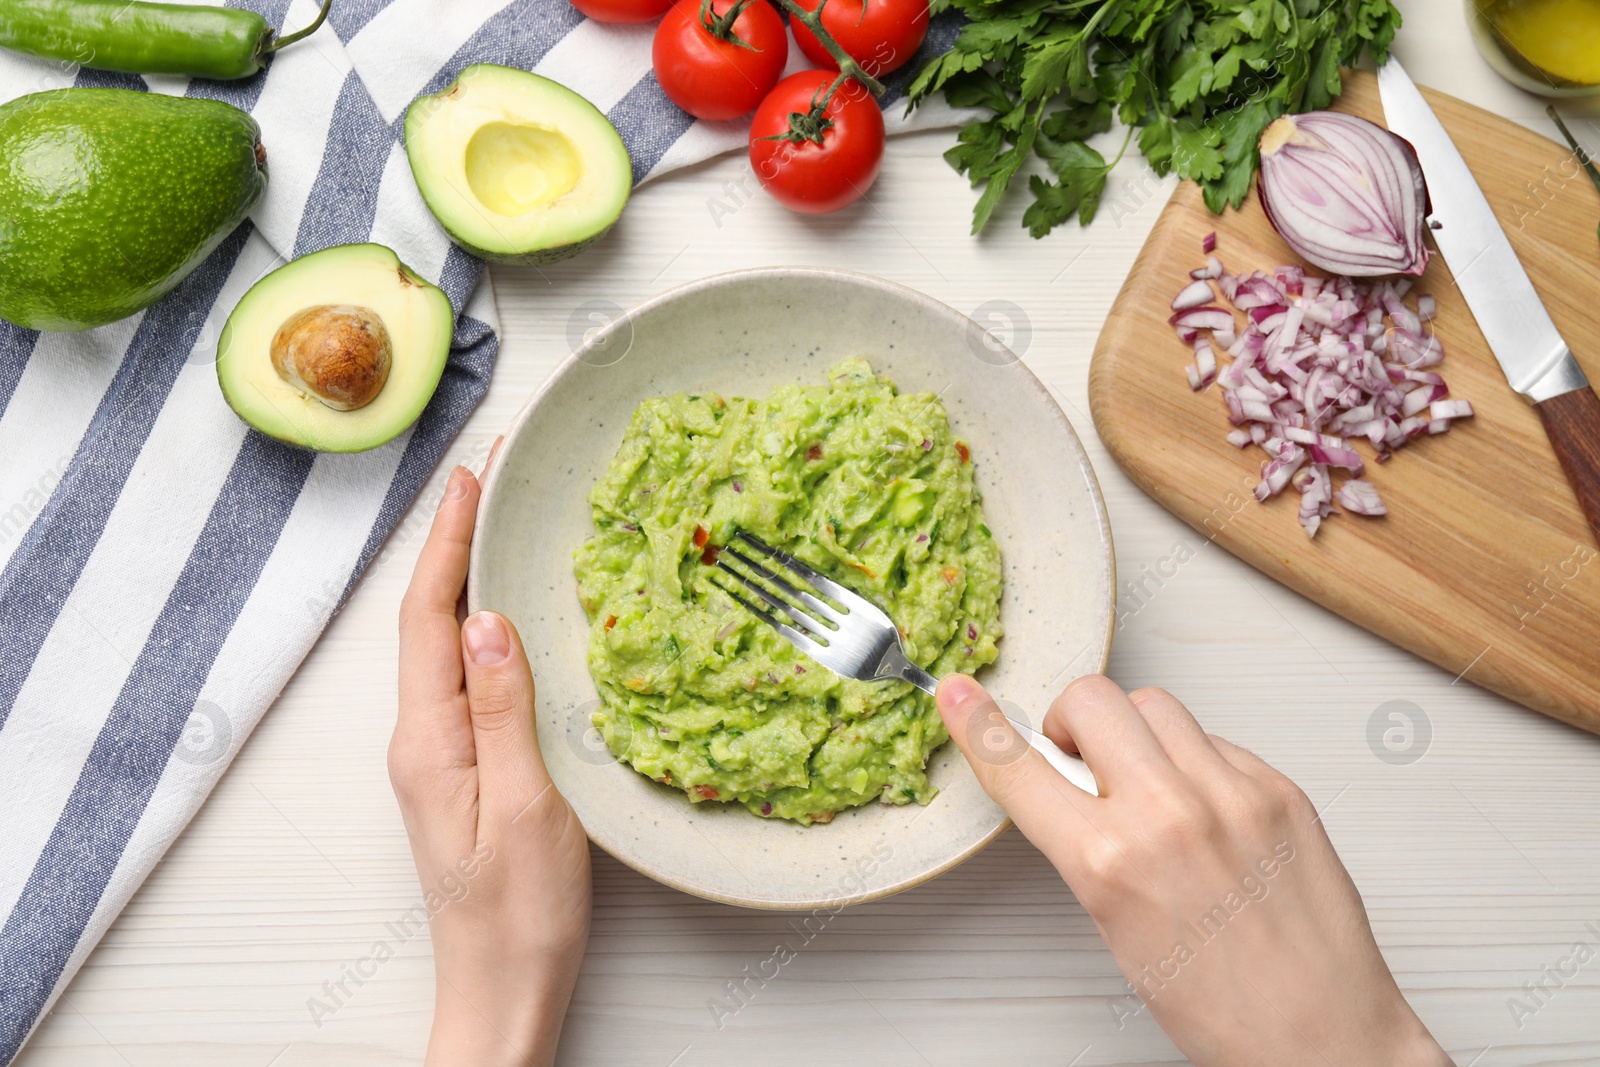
[[553, 254], [110, 197]]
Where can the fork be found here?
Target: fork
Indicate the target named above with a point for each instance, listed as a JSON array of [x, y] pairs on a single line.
[[857, 639]]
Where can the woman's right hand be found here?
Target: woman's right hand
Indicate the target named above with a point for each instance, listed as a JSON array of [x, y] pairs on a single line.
[[1209, 876]]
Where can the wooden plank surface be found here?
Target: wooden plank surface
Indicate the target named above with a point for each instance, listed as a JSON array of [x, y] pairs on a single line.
[[1484, 565]]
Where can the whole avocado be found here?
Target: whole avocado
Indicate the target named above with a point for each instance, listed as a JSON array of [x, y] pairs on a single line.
[[110, 197]]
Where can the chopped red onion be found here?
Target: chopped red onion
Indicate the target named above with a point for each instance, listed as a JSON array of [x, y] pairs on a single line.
[[1316, 498], [1258, 291], [1203, 371], [1346, 194], [1208, 243], [1276, 474], [1319, 362], [1347, 458], [1195, 294], [1417, 399], [1408, 348], [1203, 318], [1441, 410], [1360, 497]]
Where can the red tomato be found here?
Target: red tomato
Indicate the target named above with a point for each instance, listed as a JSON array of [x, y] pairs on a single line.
[[715, 78], [879, 34], [622, 10], [810, 177]]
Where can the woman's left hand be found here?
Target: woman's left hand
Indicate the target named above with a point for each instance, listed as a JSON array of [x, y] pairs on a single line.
[[503, 860]]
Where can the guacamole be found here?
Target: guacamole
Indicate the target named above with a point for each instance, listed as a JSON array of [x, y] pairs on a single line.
[[863, 483]]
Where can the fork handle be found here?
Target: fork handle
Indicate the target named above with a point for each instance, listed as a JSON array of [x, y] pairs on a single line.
[[1070, 767], [914, 674]]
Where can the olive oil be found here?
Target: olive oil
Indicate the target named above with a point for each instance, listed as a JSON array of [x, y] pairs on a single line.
[[1551, 47]]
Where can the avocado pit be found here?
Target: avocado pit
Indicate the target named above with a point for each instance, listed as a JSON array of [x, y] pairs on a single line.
[[339, 354]]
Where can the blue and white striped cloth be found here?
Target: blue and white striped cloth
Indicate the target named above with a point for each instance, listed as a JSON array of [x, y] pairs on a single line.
[[162, 567]]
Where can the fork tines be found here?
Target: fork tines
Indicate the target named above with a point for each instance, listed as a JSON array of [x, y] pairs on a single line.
[[760, 580]]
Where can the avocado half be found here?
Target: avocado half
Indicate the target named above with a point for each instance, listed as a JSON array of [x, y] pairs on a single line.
[[338, 351], [517, 168]]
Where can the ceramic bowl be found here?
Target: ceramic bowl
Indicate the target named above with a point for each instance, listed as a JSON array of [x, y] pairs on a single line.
[[743, 334]]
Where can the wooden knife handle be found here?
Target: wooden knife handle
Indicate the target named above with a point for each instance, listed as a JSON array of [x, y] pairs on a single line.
[[1573, 422]]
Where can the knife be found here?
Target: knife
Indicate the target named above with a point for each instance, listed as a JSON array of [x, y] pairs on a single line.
[[1536, 361]]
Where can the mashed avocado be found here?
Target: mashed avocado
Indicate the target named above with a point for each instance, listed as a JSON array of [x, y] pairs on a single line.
[[864, 484]]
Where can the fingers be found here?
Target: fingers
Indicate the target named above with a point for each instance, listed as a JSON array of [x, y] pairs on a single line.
[[1016, 777], [511, 773], [1174, 726], [1241, 758], [430, 659], [442, 566], [1116, 741]]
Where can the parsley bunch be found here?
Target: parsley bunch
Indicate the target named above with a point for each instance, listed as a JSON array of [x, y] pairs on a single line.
[[1197, 79]]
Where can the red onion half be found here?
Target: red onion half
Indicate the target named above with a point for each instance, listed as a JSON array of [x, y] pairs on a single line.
[[1345, 194]]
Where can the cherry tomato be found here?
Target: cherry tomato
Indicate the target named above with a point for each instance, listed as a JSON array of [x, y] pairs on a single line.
[[810, 177], [881, 35], [623, 11], [716, 77]]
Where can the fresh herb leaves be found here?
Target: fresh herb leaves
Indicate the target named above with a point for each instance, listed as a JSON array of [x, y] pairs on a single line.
[[1195, 80]]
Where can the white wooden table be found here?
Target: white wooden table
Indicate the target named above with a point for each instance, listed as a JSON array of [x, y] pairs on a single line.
[[1478, 861]]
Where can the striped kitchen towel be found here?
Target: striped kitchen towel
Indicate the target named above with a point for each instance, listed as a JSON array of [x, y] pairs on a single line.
[[164, 569]]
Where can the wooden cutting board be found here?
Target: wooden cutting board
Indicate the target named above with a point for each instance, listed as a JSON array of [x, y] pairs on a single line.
[[1484, 564]]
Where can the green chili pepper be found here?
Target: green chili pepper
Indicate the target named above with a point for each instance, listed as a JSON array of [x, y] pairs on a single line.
[[137, 37]]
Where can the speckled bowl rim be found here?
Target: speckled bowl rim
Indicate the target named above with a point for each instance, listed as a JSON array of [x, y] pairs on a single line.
[[924, 303]]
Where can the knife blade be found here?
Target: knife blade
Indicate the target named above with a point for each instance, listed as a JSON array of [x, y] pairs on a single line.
[[1536, 360]]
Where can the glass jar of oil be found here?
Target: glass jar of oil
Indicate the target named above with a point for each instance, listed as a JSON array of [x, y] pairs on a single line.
[[1549, 47]]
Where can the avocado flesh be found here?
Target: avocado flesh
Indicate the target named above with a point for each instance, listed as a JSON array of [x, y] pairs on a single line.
[[110, 197], [517, 168], [418, 319]]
